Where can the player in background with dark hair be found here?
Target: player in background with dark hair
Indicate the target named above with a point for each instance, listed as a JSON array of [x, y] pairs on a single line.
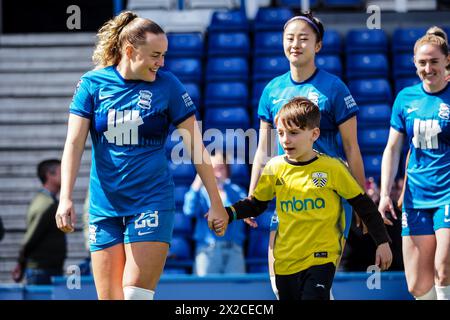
[[308, 187], [421, 115], [127, 105], [43, 249]]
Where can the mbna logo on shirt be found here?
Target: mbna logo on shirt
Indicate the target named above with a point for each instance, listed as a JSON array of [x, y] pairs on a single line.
[[145, 99], [297, 205]]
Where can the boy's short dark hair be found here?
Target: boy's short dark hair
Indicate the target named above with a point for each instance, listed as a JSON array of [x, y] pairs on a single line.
[[46, 166], [301, 112]]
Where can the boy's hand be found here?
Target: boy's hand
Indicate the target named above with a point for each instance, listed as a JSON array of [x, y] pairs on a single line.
[[251, 222], [383, 256]]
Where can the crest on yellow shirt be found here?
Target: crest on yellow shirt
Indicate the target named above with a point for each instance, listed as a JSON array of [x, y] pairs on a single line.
[[319, 179]]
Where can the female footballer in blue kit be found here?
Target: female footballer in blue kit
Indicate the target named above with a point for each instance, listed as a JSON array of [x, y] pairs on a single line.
[[127, 105], [421, 115], [302, 40]]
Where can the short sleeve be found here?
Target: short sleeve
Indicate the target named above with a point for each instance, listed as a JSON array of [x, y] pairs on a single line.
[[264, 106], [82, 101], [265, 189], [344, 183], [397, 119], [344, 104], [181, 105]]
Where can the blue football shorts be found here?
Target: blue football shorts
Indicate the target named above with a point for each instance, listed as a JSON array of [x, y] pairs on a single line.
[[105, 232], [416, 222]]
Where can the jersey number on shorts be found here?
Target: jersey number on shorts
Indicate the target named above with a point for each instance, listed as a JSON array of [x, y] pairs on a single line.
[[425, 134], [142, 221]]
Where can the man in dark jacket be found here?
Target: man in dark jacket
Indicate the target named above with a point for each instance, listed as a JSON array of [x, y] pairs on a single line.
[[43, 248]]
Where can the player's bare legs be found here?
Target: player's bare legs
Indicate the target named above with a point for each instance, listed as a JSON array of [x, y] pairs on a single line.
[[442, 258], [107, 266], [418, 258]]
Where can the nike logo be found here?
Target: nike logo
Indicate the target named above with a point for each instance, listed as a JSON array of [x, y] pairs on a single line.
[[275, 101], [140, 233], [411, 110], [103, 97], [318, 285]]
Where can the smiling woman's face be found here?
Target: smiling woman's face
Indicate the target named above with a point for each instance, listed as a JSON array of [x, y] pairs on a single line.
[[300, 43]]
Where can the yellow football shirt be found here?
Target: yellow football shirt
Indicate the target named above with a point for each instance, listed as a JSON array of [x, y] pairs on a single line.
[[310, 213]]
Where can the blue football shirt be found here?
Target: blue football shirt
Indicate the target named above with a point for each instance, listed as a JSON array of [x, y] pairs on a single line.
[[424, 119], [335, 102], [130, 122]]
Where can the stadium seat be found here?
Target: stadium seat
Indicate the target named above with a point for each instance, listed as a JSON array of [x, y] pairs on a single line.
[[372, 139], [330, 63], [370, 91], [227, 118], [173, 270], [228, 44], [219, 94], [148, 5], [183, 173], [258, 267], [401, 83], [257, 90], [342, 3], [374, 115], [366, 41], [367, 66], [266, 68], [372, 164], [258, 242], [404, 65], [186, 69], [185, 45], [228, 20], [208, 4], [271, 18], [226, 69], [268, 43], [331, 42], [180, 249], [182, 225], [403, 39]]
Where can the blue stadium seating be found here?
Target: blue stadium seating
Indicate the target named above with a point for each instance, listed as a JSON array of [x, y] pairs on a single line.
[[370, 90], [228, 44], [228, 20], [257, 90], [182, 225], [403, 39], [189, 44], [331, 42], [367, 66], [343, 3], [183, 174], [227, 118], [372, 139], [401, 83], [403, 65], [271, 19], [366, 41], [180, 249], [219, 94], [374, 115], [268, 43], [226, 69], [372, 164], [266, 68], [330, 63], [186, 69]]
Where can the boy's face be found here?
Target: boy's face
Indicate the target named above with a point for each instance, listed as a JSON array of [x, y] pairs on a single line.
[[297, 143]]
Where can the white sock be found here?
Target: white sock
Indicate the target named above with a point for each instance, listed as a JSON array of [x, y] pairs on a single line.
[[443, 293], [274, 287], [430, 295], [135, 293]]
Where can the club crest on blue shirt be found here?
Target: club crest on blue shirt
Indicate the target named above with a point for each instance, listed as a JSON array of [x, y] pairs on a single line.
[[319, 179], [145, 99], [314, 97], [444, 111]]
